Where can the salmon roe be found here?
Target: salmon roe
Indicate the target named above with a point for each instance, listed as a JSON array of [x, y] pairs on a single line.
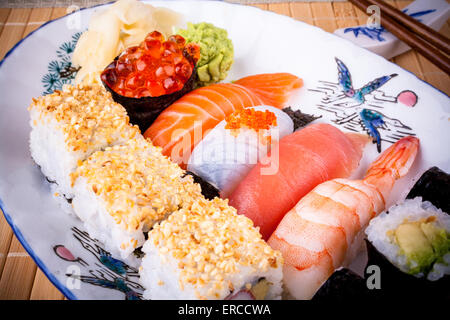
[[154, 68], [250, 118]]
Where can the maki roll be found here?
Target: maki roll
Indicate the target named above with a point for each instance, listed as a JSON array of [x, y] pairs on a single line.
[[433, 186], [71, 124], [208, 251], [146, 79], [411, 245], [122, 191]]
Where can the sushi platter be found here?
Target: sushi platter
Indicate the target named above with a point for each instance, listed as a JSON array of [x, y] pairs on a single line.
[[207, 150]]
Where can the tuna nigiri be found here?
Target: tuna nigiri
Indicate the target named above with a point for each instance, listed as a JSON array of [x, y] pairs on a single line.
[[307, 157], [317, 235], [184, 124], [226, 155]]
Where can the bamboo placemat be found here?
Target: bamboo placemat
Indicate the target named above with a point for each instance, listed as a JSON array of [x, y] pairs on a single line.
[[19, 277]]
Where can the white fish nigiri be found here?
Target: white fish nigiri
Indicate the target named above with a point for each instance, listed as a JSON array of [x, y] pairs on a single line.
[[224, 157]]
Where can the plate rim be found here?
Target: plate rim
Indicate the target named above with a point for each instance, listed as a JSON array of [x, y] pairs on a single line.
[[18, 234], [61, 287], [50, 276]]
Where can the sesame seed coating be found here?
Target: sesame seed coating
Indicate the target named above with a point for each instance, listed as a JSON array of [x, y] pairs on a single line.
[[87, 115], [211, 242], [138, 185]]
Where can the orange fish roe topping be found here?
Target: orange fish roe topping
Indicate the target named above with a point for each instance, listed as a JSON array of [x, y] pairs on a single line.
[[251, 118], [154, 68]]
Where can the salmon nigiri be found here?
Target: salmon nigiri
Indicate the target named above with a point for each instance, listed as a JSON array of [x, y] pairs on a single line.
[[273, 88], [317, 235], [307, 157], [180, 127]]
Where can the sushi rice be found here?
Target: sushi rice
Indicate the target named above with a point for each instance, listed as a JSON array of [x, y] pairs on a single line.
[[122, 187], [116, 181], [410, 210], [121, 192], [208, 251], [71, 124]]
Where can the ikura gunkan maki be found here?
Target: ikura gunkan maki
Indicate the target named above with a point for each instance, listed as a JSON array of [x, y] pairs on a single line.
[[146, 79]]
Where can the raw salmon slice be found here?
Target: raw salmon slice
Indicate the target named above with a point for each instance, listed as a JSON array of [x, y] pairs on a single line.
[[273, 88], [182, 125], [306, 158]]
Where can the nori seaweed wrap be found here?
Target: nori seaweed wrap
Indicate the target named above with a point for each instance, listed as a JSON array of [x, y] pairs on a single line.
[[433, 186], [395, 283], [299, 118], [343, 284], [208, 190]]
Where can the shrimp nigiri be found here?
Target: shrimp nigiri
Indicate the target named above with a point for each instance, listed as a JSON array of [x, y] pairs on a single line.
[[300, 161], [315, 237]]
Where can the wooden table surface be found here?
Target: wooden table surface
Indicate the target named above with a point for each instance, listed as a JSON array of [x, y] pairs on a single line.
[[19, 276]]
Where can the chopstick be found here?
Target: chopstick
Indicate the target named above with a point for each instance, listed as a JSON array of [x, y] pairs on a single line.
[[411, 33], [435, 38]]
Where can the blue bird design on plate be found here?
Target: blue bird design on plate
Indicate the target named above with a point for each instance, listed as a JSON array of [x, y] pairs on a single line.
[[345, 80], [362, 109], [103, 256], [371, 121], [108, 272], [113, 264], [115, 284]]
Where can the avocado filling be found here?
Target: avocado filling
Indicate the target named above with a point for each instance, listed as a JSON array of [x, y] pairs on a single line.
[[216, 51], [259, 290], [422, 242]]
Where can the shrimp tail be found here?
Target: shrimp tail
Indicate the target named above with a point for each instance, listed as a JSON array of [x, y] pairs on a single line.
[[392, 164]]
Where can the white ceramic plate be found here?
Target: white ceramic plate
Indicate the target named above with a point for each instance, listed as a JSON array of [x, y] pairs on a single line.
[[264, 42]]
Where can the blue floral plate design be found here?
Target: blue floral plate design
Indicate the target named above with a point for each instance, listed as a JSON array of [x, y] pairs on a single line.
[[349, 87], [60, 70]]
